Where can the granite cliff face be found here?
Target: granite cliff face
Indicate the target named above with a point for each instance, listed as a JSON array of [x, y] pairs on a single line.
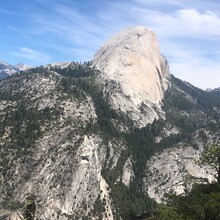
[[132, 60], [100, 141], [61, 163]]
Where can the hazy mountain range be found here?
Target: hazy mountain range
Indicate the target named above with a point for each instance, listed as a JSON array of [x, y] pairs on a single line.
[[7, 69]]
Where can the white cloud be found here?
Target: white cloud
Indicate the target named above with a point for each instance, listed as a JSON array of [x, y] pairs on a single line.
[[184, 22], [203, 75], [193, 65], [159, 2]]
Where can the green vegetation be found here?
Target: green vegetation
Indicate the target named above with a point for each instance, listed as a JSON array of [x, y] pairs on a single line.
[[202, 202], [99, 208], [211, 157], [30, 208]]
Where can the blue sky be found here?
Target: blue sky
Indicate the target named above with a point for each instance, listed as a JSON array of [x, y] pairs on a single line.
[[38, 32]]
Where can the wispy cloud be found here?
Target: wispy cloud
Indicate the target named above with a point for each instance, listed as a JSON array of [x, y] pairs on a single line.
[[86, 32], [5, 11], [83, 34], [32, 55]]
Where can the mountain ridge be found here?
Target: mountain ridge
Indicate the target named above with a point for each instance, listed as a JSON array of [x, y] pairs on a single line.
[[64, 143], [7, 69]]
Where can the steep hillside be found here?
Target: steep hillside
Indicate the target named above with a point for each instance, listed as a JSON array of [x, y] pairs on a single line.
[[62, 142], [192, 122]]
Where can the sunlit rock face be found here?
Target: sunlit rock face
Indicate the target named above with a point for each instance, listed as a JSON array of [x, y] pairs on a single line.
[[132, 60], [175, 170]]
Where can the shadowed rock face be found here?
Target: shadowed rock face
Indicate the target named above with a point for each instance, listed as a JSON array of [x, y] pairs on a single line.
[[132, 59]]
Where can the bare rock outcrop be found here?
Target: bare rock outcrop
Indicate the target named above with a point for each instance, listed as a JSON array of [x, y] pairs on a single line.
[[132, 60]]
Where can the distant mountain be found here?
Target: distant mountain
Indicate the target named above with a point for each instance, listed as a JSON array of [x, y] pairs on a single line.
[[60, 65], [216, 90], [23, 67], [7, 69]]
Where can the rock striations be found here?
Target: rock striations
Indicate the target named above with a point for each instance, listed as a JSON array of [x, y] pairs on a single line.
[[132, 60]]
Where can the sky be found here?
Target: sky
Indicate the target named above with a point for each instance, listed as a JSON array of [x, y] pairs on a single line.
[[38, 32]]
